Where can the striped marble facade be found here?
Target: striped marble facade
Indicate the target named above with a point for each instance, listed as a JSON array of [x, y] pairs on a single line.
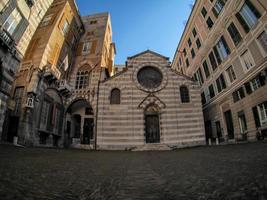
[[122, 126]]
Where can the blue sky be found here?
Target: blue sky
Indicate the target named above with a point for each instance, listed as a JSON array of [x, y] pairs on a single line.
[[139, 25]]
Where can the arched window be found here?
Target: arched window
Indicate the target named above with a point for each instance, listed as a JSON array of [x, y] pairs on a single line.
[[82, 78], [184, 92], [115, 96]]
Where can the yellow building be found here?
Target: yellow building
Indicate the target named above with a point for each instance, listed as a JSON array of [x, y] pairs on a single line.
[[40, 89]]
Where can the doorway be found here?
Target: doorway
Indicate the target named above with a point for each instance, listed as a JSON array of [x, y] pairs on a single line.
[[88, 128], [152, 125], [229, 124]]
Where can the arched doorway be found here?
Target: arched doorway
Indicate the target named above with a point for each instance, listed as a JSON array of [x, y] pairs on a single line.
[[152, 124], [51, 118], [79, 123]]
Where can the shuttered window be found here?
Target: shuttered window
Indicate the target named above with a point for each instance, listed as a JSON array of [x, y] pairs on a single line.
[[248, 16], [12, 21], [213, 61], [184, 93], [263, 40], [234, 33], [115, 96]]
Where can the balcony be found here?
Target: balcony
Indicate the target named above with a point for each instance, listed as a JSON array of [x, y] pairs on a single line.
[[51, 73], [6, 40], [65, 88]]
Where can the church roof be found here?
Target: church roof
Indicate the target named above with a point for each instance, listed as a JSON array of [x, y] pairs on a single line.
[[148, 51]]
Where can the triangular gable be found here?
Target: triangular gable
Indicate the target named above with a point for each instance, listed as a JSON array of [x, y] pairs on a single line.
[[148, 51], [152, 99]]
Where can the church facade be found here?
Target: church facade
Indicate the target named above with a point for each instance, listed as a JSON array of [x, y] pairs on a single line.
[[149, 104]]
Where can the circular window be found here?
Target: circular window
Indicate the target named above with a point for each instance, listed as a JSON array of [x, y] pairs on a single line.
[[150, 77]]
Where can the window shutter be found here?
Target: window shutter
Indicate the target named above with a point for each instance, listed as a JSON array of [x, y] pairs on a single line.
[[248, 88], [262, 79], [93, 48], [217, 55], [215, 12], [242, 22], [226, 46], [20, 29], [256, 117], [253, 9]]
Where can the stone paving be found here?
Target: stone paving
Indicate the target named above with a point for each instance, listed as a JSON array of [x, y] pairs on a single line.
[[233, 172]]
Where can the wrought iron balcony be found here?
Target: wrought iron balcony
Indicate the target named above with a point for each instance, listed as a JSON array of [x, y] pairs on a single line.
[[6, 39]]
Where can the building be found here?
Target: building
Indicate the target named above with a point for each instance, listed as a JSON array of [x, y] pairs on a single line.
[[94, 62], [17, 23], [149, 106], [41, 88], [224, 47]]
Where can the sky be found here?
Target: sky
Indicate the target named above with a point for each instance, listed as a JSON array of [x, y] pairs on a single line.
[[139, 25]]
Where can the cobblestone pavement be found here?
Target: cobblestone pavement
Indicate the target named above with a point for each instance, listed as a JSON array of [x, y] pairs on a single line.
[[236, 172]]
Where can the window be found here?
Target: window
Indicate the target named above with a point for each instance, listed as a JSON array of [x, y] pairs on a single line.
[[242, 122], [199, 77], [204, 12], [247, 61], [231, 74], [46, 21], [211, 91], [87, 47], [213, 61], [187, 62], [198, 43], [203, 98], [115, 96], [239, 94], [219, 4], [189, 42], [18, 99], [235, 35], [194, 32], [12, 21], [82, 80], [184, 92], [193, 54], [260, 114], [221, 50], [206, 69], [248, 16], [220, 83], [263, 40], [93, 22], [262, 110], [209, 23], [65, 27], [89, 111], [184, 51], [255, 83]]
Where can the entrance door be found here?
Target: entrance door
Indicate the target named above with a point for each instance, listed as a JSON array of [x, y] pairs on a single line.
[[229, 124], [152, 128], [88, 130], [12, 128]]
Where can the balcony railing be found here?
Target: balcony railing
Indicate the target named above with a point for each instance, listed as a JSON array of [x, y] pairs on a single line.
[[6, 39], [65, 88], [51, 73]]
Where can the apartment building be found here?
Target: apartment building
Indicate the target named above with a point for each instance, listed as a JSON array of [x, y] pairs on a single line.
[[18, 22], [224, 48], [41, 88]]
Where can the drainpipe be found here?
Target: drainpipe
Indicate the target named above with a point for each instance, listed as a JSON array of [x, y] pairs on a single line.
[[97, 103]]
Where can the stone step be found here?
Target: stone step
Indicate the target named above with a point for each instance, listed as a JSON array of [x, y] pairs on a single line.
[[152, 147]]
